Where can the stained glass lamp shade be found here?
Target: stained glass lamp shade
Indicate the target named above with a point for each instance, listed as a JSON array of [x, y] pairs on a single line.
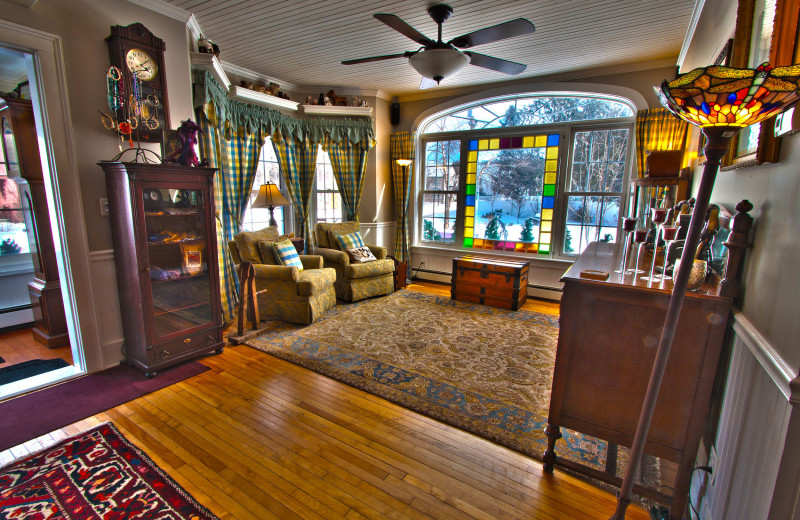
[[721, 101], [723, 96]]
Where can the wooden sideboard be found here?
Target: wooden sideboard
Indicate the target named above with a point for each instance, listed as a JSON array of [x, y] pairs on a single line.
[[608, 335]]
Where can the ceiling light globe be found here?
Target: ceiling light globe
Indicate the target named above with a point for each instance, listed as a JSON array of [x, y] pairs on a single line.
[[437, 64]]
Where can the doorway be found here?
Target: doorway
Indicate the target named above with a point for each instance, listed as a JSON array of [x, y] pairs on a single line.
[[43, 65]]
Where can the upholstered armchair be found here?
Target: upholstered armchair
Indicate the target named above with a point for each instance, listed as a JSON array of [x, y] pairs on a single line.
[[354, 280], [293, 295]]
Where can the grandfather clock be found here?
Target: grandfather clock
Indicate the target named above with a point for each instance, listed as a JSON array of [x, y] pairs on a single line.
[[24, 166]]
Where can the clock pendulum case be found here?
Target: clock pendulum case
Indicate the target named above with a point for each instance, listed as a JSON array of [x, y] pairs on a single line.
[[140, 93]]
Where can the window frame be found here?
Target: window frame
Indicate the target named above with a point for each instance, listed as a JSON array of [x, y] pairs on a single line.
[[313, 207], [287, 212], [421, 192], [565, 131]]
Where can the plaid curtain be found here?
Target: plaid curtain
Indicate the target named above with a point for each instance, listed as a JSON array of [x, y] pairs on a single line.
[[401, 146], [298, 161], [658, 129], [349, 165], [236, 159]]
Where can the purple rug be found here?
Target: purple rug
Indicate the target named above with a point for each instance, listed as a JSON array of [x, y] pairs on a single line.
[[33, 415]]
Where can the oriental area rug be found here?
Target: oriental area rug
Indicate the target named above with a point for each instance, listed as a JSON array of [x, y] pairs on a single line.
[[94, 475], [485, 370]]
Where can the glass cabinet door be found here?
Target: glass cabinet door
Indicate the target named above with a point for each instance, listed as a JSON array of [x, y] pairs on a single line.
[[177, 257]]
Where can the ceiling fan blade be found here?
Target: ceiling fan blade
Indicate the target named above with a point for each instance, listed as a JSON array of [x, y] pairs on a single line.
[[489, 62], [403, 28], [377, 58], [494, 33]]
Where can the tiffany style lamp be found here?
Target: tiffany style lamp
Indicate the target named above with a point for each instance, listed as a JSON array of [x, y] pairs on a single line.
[[721, 101]]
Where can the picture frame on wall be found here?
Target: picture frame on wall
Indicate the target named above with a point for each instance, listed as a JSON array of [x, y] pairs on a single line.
[[171, 146]]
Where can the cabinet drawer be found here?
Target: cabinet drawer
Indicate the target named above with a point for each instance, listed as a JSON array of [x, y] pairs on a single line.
[[206, 340]]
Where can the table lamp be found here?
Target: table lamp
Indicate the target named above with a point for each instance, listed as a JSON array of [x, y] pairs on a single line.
[[721, 101], [270, 196]]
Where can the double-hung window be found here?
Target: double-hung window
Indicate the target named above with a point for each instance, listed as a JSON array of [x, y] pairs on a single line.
[[328, 201], [530, 174], [268, 170]]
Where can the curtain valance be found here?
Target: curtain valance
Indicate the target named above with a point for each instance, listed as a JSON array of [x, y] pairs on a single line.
[[232, 115]]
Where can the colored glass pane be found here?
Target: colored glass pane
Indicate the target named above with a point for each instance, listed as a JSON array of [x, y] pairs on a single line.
[[547, 214], [473, 145], [549, 189], [483, 144], [469, 211], [494, 144], [552, 153], [541, 141], [552, 140], [471, 167], [470, 189], [470, 177], [516, 142], [546, 226], [505, 143], [472, 155], [528, 142], [544, 238], [469, 222], [544, 248], [548, 202], [467, 242], [551, 166], [469, 200], [550, 177]]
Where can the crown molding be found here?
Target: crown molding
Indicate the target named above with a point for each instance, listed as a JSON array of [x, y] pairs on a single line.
[[236, 70], [159, 6], [696, 12], [195, 29]]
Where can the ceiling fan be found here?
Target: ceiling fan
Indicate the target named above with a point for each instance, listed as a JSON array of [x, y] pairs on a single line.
[[437, 60]]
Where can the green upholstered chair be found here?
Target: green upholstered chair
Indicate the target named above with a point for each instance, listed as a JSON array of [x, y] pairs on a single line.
[[354, 281], [292, 295]]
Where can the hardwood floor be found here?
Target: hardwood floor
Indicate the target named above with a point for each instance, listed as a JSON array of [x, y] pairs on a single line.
[[257, 437], [18, 345]]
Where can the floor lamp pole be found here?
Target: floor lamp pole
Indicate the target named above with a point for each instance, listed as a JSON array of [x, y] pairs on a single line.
[[716, 148]]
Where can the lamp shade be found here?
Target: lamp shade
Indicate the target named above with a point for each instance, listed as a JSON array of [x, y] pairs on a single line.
[[404, 162], [437, 64], [728, 97], [269, 195]]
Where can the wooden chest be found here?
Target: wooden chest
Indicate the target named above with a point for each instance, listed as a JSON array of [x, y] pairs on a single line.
[[499, 283]]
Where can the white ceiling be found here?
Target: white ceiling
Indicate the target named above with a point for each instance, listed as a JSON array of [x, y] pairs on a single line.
[[303, 42]]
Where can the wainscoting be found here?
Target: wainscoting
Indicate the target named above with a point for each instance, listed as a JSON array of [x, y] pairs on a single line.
[[755, 476], [106, 301]]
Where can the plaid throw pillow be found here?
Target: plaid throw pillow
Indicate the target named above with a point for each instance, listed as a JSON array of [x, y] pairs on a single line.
[[286, 254], [350, 241]]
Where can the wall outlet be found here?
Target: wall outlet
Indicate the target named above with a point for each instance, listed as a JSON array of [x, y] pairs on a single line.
[[103, 207]]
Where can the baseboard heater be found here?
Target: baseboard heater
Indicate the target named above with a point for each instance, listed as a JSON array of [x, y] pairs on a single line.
[[441, 273], [16, 308]]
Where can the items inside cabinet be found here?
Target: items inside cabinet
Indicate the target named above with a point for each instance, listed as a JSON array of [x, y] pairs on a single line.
[[177, 256]]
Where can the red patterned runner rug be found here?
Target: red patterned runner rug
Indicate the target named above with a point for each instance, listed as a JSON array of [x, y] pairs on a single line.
[[97, 474]]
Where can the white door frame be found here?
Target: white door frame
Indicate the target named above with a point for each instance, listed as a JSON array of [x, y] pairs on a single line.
[[46, 68]]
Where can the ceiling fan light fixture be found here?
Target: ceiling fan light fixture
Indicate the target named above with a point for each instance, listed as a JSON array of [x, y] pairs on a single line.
[[437, 64]]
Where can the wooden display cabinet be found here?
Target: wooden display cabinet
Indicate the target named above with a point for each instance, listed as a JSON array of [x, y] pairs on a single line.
[[165, 252], [21, 149], [608, 334]]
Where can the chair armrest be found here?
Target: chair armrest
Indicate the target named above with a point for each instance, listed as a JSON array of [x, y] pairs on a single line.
[[276, 272], [379, 251], [332, 256], [312, 261]]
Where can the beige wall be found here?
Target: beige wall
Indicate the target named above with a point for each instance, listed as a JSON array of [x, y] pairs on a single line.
[[83, 26]]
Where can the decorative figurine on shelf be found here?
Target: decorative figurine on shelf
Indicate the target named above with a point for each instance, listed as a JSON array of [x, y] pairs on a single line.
[[321, 99], [707, 234], [205, 46], [339, 101], [327, 101], [188, 135], [310, 100]]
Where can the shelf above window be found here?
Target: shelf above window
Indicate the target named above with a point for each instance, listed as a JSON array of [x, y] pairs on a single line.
[[210, 63], [251, 96], [323, 110]]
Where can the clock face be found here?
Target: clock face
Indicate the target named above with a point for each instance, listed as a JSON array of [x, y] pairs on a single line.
[[142, 64]]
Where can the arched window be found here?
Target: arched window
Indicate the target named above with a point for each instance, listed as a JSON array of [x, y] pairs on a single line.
[[540, 174]]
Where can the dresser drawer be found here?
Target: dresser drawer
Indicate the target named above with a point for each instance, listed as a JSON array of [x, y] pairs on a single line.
[[185, 347]]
